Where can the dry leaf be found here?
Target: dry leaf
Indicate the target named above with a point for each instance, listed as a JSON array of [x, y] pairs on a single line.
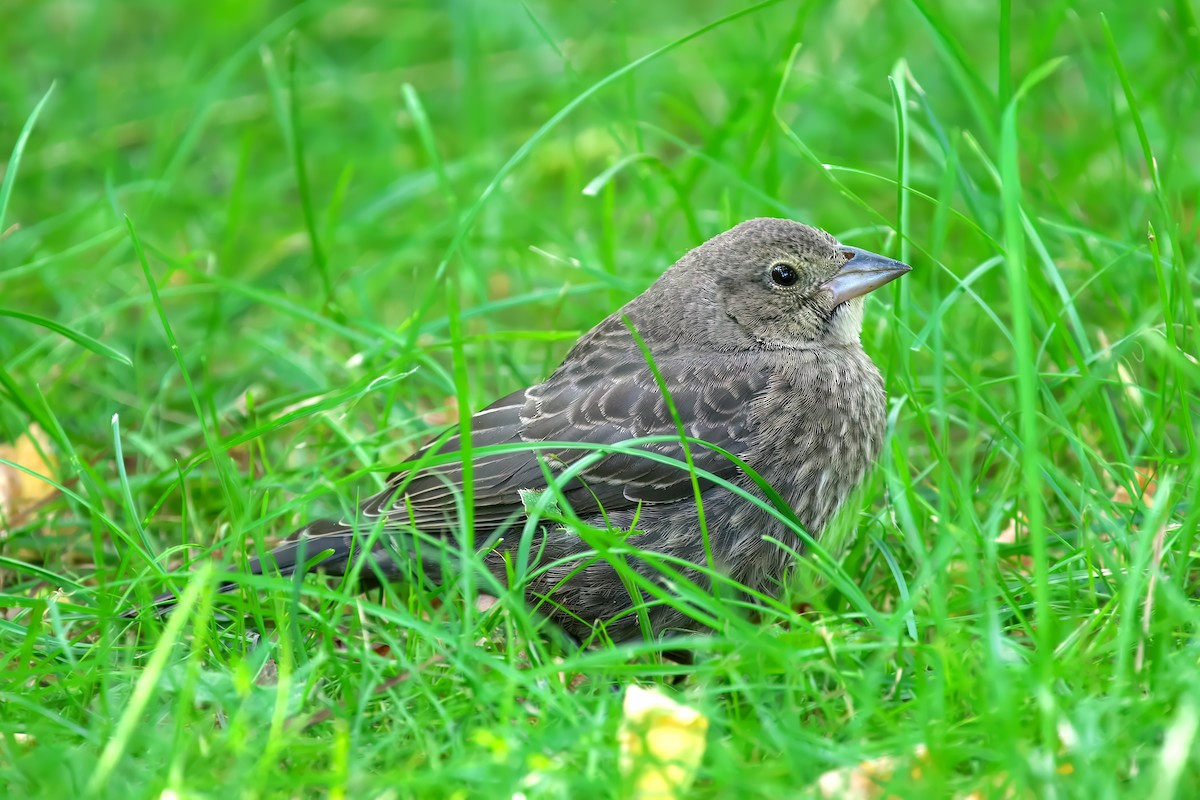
[[866, 780], [21, 492], [661, 744], [499, 285], [1021, 564], [446, 415], [1147, 486]]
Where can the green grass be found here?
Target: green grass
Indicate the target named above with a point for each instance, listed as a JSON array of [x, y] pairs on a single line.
[[264, 250]]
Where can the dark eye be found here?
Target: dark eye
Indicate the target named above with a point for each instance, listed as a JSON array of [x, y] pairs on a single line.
[[784, 275]]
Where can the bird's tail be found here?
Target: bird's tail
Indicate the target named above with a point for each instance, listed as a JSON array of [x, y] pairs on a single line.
[[330, 547]]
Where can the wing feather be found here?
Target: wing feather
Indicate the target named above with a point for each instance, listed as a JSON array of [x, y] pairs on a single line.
[[577, 404]]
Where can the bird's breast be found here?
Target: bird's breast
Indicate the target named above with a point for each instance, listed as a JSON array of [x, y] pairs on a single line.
[[819, 428]]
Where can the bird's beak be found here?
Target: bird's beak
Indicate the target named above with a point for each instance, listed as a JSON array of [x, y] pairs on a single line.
[[864, 272]]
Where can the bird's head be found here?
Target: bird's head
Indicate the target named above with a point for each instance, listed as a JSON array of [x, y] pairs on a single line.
[[783, 284]]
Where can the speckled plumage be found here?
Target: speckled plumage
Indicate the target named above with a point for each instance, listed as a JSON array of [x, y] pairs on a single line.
[[773, 373]]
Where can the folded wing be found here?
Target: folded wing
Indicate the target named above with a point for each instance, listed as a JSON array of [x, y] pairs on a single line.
[[578, 404]]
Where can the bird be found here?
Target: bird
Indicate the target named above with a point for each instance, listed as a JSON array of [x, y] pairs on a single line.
[[755, 336]]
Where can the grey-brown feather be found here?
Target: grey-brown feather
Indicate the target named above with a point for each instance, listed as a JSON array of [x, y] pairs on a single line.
[[772, 377]]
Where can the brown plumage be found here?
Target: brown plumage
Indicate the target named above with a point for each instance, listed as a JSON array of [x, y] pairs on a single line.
[[756, 336]]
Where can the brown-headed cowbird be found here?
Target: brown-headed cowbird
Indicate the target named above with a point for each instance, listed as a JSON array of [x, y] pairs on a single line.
[[755, 336]]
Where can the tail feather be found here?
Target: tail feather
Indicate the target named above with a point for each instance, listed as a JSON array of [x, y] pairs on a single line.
[[338, 541], [324, 545], [395, 553]]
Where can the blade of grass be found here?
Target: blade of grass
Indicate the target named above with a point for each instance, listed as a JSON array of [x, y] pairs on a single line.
[[80, 338], [210, 438], [1027, 395], [147, 683], [18, 151]]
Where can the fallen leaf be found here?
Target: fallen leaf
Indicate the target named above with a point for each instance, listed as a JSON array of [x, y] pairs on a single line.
[[446, 415], [661, 744], [867, 779], [1146, 484], [20, 492], [499, 285]]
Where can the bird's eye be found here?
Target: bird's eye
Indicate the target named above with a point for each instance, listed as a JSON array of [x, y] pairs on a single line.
[[784, 274]]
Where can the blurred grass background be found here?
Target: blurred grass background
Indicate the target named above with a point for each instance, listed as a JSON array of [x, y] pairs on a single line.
[[339, 202]]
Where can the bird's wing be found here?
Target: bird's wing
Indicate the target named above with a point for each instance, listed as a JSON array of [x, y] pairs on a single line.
[[580, 404]]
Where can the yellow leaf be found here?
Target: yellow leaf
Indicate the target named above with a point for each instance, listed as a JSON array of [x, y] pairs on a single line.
[[867, 779], [21, 492], [661, 744]]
